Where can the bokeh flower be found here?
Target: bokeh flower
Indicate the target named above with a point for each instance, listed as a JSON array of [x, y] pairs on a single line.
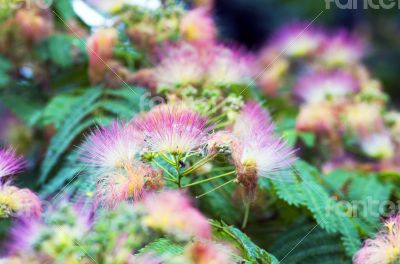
[[228, 66], [100, 49], [342, 49], [180, 66], [320, 118], [35, 24], [378, 145], [204, 252], [197, 26], [18, 202], [173, 129], [323, 86], [172, 213], [298, 40], [384, 248]]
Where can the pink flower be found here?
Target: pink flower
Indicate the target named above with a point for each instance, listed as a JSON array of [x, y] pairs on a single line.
[[323, 86], [320, 118], [342, 49], [384, 248], [228, 66], [258, 152], [197, 26], [111, 154], [130, 183], [172, 213], [208, 65], [210, 253], [100, 49], [180, 66], [107, 150], [10, 162], [298, 40], [36, 25], [172, 129], [18, 202]]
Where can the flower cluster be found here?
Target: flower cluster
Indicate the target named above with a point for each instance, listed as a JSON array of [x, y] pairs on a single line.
[[338, 99], [384, 248], [118, 235], [206, 66], [13, 200]]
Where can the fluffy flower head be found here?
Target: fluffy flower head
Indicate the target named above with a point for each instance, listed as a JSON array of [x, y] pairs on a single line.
[[128, 183], [112, 148], [172, 212], [10, 162], [342, 49], [319, 118], [181, 66], [228, 66], [298, 40], [197, 26], [384, 248], [259, 152], [172, 129], [322, 86], [18, 202], [209, 253], [378, 145]]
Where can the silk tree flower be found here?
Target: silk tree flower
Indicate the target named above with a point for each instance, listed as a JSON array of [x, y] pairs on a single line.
[[378, 145], [110, 149], [324, 86], [171, 212], [202, 252], [53, 237], [298, 40], [259, 152], [111, 154], [130, 183], [197, 26], [100, 49], [384, 248], [10, 162], [180, 66], [35, 23], [320, 118], [172, 129], [362, 118], [18, 202], [342, 49], [228, 66], [273, 68]]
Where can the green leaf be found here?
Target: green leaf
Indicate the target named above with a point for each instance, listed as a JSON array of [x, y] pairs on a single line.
[[64, 9], [60, 50], [70, 129], [28, 111], [164, 248], [250, 251]]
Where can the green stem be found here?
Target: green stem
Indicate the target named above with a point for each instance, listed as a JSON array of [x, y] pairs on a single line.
[[165, 170], [246, 214], [178, 170], [216, 188], [198, 164], [209, 179], [168, 160]]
